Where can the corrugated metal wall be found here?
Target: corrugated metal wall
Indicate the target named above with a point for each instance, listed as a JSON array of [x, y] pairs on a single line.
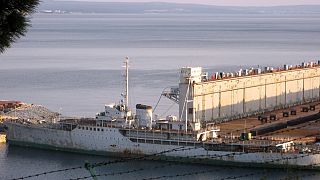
[[222, 99]]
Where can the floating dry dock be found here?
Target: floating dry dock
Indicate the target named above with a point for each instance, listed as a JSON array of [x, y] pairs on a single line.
[[251, 117], [229, 95]]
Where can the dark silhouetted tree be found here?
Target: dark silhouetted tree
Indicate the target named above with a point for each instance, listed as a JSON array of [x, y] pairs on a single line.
[[14, 20]]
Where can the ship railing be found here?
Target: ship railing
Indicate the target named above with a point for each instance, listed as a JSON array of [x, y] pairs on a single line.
[[310, 148], [167, 142], [159, 137], [21, 121], [157, 134], [171, 131], [248, 147], [252, 146]]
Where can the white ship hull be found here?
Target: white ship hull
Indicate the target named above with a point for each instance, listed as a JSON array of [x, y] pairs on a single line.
[[111, 142]]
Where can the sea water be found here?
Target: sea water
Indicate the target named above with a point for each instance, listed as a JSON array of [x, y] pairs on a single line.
[[72, 64]]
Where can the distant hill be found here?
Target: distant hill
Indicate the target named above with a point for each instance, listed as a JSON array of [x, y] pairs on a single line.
[[159, 7]]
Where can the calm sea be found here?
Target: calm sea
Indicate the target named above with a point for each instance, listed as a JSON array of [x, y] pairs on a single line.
[[73, 62]]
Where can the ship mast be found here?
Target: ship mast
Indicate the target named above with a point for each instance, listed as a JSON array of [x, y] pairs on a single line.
[[126, 63]]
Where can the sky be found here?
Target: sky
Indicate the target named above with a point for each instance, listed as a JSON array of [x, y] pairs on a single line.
[[226, 2]]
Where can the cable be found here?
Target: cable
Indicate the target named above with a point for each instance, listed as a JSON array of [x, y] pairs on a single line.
[[104, 163], [141, 157], [303, 176], [235, 177], [252, 174], [168, 109], [163, 166], [134, 158], [119, 173], [48, 172], [244, 176], [208, 171], [155, 107], [177, 175]]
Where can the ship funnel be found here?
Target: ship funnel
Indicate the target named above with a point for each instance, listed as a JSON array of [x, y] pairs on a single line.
[[144, 116]]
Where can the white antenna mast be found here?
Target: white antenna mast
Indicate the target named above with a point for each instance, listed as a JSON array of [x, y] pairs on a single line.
[[126, 63]]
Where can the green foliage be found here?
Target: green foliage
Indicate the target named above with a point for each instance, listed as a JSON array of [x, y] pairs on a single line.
[[14, 20]]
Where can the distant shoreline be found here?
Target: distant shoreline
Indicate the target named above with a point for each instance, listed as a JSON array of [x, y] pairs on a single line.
[[174, 14], [62, 7]]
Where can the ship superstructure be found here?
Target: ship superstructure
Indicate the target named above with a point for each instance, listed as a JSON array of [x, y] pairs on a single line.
[[230, 118]]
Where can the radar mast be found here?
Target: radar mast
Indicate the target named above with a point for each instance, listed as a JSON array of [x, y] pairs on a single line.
[[126, 96]]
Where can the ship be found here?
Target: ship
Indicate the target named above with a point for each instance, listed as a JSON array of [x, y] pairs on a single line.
[[252, 117]]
